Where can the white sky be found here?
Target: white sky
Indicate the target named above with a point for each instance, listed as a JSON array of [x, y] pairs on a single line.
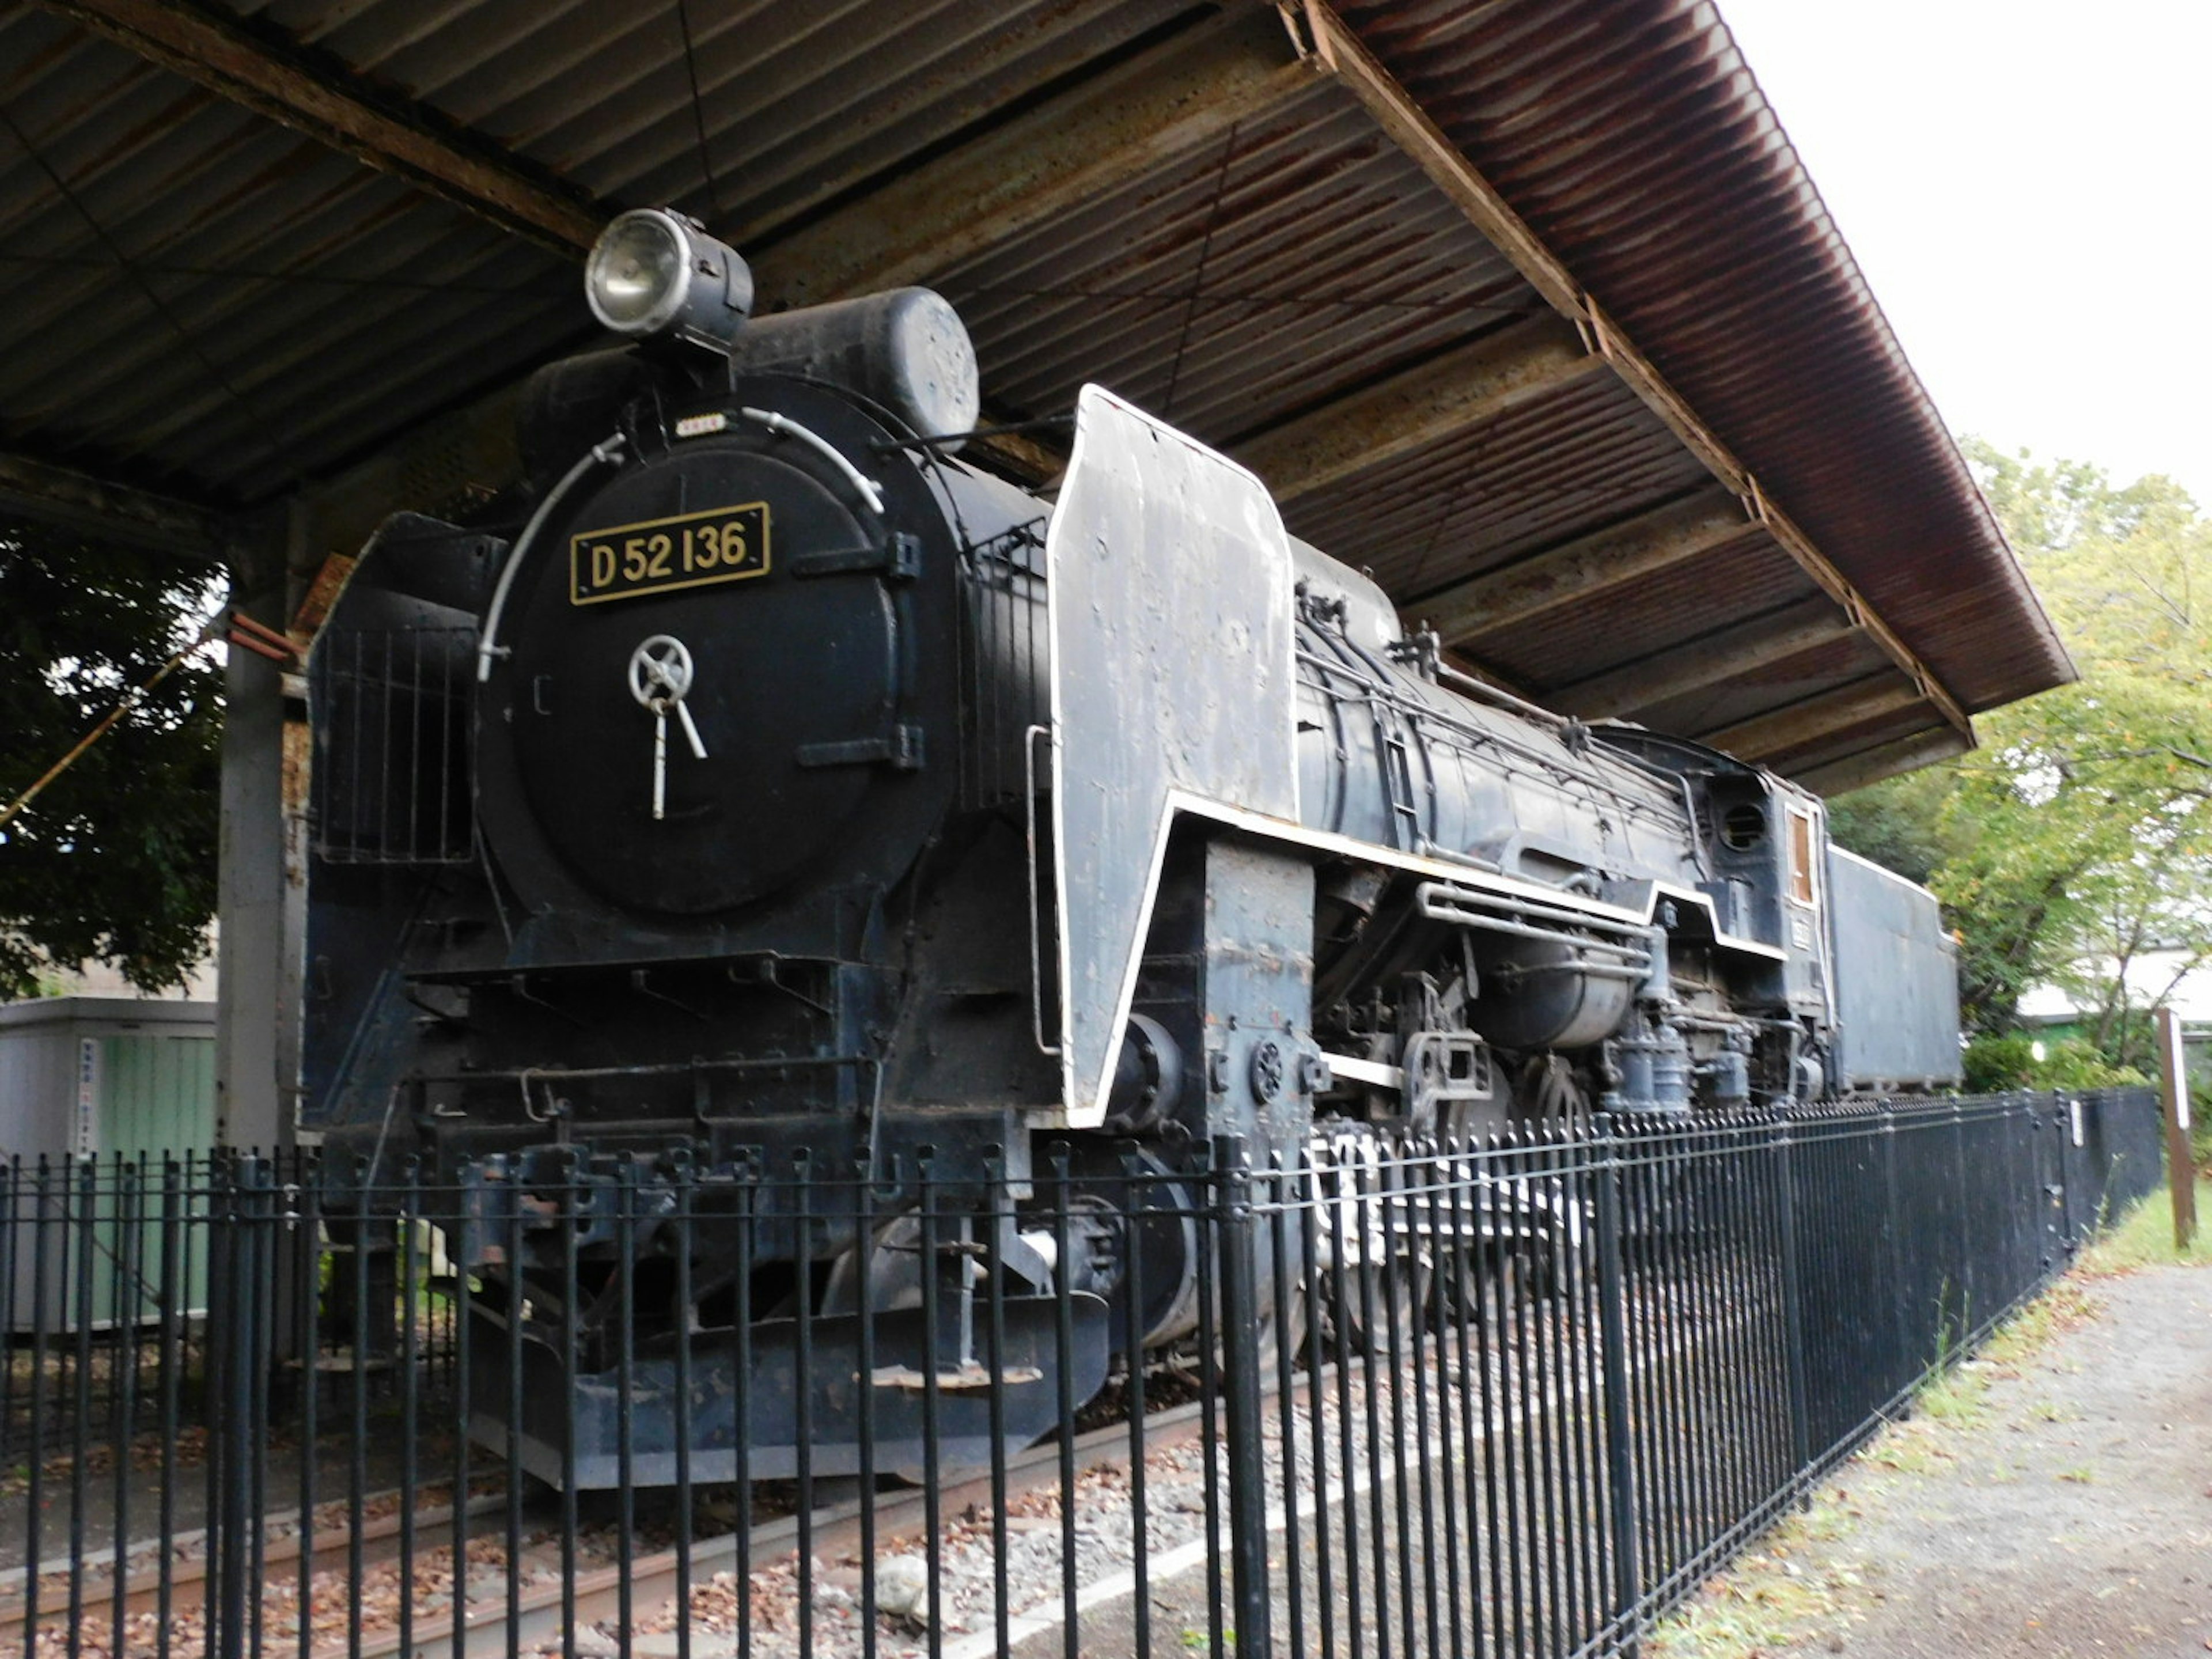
[[2025, 186]]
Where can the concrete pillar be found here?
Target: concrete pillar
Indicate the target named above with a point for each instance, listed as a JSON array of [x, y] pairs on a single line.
[[255, 1055], [251, 1108]]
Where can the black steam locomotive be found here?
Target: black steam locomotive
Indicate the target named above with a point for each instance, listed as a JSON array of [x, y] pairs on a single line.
[[785, 787]]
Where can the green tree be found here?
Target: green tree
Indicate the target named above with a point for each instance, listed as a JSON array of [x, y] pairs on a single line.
[[115, 860], [2078, 838]]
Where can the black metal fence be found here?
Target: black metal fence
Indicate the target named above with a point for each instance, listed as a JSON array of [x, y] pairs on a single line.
[[1512, 1398]]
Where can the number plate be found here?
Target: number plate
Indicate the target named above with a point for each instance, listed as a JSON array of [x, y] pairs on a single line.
[[722, 545]]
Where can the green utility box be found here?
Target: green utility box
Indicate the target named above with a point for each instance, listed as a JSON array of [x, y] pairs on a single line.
[[94, 1078]]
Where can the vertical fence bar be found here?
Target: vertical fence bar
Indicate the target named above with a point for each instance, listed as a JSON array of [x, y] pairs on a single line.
[[130, 1282], [35, 1449], [1397, 1265], [1783, 1142], [11, 1231], [867, 1224], [356, 1496], [625, 1304], [1063, 1334], [1444, 1604], [1460, 1266], [685, 1221], [1286, 1326], [928, 1361], [1309, 1192], [513, 1250], [412, 1296], [262, 1255], [170, 1381], [741, 1338], [994, 1326], [569, 1210], [1248, 1471], [1209, 1383], [1374, 1365], [1341, 1196], [466, 1231], [87, 1250], [1620, 1469]]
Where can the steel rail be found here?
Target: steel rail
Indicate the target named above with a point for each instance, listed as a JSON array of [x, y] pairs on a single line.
[[186, 1577]]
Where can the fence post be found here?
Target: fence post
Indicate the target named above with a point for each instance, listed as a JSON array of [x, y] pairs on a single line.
[[231, 1295], [2180, 1161], [1620, 1457], [1793, 1298], [1248, 1473], [1905, 1361]]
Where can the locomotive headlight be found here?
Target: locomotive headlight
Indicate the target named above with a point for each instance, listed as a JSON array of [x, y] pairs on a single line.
[[654, 271]]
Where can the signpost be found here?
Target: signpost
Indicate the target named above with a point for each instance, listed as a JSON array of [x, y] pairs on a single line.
[[2180, 1164]]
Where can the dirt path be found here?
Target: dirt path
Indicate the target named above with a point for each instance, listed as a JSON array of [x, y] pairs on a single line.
[[2054, 1497]]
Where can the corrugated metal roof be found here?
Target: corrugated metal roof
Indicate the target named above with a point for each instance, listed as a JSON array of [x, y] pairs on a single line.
[[206, 301], [1635, 141]]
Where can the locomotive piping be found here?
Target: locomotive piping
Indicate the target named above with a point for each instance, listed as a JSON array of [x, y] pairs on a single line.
[[868, 489], [600, 454]]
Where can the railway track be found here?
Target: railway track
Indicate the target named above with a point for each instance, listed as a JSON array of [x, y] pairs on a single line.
[[535, 1617], [184, 1582], [654, 1579], [497, 1614]]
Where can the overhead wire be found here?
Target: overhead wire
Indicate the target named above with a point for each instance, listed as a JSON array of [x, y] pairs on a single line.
[[1198, 276], [699, 111]]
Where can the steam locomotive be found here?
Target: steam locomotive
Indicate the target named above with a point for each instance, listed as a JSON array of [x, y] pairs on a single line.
[[783, 786]]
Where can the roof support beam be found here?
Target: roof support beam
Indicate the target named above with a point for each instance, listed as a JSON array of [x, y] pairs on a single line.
[[1323, 36], [1886, 759], [1813, 718], [1182, 96], [1710, 658], [1493, 376], [1576, 570], [111, 512], [239, 62]]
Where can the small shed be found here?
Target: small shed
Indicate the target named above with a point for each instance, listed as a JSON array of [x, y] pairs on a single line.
[[99, 1079], [105, 1075]]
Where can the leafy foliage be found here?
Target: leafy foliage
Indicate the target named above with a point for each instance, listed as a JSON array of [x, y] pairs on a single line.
[[2006, 1060], [2077, 840], [115, 861]]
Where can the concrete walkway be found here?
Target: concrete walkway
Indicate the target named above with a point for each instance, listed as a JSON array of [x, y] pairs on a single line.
[[2055, 1497]]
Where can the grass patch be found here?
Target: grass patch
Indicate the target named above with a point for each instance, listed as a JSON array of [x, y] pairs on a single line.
[[2031, 1330], [1768, 1603], [1913, 1446], [2144, 1238], [1956, 1399]]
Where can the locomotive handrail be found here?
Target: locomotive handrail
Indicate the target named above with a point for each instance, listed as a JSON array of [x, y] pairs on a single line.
[[1429, 891], [660, 1068], [784, 427], [600, 454]]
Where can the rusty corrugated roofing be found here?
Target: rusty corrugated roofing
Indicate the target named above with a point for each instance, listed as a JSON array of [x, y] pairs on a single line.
[[1634, 140], [206, 301]]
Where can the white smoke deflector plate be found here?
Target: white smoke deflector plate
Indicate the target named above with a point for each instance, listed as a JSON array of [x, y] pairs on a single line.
[[1169, 593]]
